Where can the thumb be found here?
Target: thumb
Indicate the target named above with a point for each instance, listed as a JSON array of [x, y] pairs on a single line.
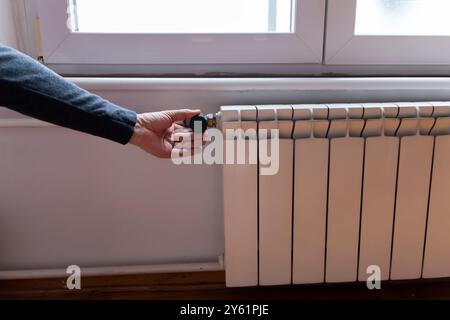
[[181, 115]]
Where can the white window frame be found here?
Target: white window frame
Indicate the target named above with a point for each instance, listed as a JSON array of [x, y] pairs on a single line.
[[343, 47], [62, 46]]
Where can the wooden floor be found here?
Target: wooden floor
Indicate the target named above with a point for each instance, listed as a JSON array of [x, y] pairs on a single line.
[[207, 286]]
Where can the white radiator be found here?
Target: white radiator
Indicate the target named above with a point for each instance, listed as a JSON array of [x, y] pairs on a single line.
[[357, 186]]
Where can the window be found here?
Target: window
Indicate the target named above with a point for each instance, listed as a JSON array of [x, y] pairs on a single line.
[[257, 36], [181, 16], [402, 18], [181, 32], [386, 32]]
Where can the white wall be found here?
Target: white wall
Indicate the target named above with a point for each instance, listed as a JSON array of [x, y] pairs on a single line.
[[7, 26], [69, 198]]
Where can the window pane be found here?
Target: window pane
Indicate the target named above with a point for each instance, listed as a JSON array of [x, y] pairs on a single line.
[[183, 16], [403, 17]]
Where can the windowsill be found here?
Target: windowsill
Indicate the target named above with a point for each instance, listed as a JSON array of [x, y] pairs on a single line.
[[152, 94], [263, 84]]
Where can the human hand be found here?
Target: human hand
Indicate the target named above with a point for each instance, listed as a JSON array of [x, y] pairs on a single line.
[[154, 131]]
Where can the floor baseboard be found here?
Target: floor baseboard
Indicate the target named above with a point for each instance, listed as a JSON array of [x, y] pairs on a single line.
[[209, 285]]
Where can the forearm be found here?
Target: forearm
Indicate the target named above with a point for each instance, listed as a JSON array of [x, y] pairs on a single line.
[[30, 88]]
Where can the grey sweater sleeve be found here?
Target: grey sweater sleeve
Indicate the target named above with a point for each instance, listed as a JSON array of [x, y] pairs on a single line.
[[30, 88]]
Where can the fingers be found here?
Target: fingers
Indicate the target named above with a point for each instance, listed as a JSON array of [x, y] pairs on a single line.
[[186, 143], [180, 126], [180, 137], [183, 134], [181, 115]]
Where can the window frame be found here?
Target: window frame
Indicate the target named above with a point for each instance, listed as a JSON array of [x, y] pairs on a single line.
[[62, 46], [343, 47]]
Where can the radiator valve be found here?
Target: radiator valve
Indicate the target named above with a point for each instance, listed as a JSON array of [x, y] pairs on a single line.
[[206, 120]]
